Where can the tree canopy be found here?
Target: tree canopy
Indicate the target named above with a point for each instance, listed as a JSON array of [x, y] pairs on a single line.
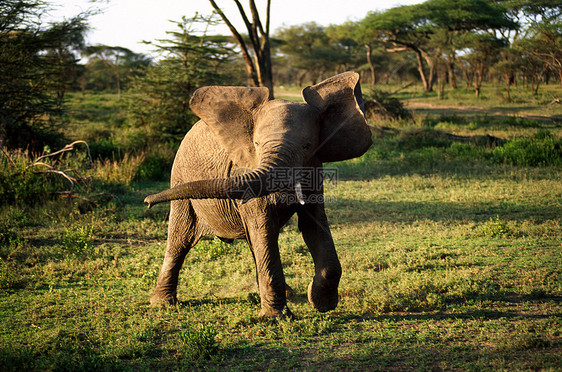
[[37, 65]]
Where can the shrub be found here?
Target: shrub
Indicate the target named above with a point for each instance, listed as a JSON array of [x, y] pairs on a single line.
[[77, 240], [156, 165], [199, 342], [20, 184], [379, 104], [496, 228], [541, 150]]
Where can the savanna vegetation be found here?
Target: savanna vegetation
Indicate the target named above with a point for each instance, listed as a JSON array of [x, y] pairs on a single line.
[[448, 228]]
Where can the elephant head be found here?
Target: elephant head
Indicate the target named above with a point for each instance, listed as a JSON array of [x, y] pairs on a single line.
[[264, 135]]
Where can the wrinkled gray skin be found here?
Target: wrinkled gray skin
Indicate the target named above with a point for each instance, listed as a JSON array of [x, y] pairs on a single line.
[[230, 179]]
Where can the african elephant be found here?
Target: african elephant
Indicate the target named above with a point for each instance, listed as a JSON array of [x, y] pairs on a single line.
[[240, 172]]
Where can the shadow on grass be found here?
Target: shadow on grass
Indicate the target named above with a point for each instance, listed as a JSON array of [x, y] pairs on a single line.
[[346, 211]]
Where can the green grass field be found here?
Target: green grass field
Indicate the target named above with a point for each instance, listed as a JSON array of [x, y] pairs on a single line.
[[451, 256]]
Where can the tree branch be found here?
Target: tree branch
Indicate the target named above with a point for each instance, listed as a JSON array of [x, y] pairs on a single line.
[[66, 148], [256, 17], [245, 54]]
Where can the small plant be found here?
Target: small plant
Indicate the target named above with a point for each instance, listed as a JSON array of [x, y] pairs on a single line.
[[199, 342], [77, 240], [496, 228], [216, 248]]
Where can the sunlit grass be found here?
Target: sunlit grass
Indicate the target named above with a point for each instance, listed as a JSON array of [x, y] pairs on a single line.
[[451, 260]]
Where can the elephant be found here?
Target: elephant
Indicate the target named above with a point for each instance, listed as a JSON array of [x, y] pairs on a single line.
[[247, 166]]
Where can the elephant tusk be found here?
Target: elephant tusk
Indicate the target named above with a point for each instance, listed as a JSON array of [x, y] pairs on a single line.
[[298, 191]]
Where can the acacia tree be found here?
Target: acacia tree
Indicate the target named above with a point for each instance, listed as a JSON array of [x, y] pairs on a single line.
[[259, 68], [34, 64], [483, 53], [542, 41], [404, 28], [315, 50], [114, 58], [432, 29], [348, 46], [159, 99], [368, 37], [518, 56], [547, 46]]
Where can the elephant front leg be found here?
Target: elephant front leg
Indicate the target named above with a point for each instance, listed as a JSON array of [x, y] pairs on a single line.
[[262, 233], [323, 290]]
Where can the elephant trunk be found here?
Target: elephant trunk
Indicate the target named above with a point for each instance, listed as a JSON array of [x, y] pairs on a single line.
[[264, 180]]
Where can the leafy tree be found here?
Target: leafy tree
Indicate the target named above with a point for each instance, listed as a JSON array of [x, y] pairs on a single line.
[[483, 54], [533, 44], [348, 49], [368, 37], [405, 28], [115, 59], [546, 45], [36, 65], [309, 49], [189, 59], [432, 30]]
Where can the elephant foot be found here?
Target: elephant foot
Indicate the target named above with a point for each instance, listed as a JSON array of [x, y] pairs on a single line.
[[323, 292], [161, 299], [270, 313], [322, 300]]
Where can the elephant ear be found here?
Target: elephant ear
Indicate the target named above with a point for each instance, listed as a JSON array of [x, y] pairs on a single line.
[[344, 132], [229, 113]]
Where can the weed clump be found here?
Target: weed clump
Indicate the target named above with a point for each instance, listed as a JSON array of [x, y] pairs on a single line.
[[77, 240], [199, 342], [496, 228]]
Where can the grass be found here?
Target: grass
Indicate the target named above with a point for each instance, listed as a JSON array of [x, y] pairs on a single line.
[[451, 261]]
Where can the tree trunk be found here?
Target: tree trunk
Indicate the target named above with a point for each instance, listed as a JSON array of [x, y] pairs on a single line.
[[451, 73], [440, 81], [371, 65], [426, 83], [260, 71], [507, 78]]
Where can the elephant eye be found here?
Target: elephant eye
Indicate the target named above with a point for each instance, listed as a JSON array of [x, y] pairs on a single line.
[[307, 146], [256, 143]]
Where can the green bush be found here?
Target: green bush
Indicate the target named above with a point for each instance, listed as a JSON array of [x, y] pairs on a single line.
[[19, 182], [199, 342], [77, 240], [496, 228], [156, 165], [380, 104], [541, 150]]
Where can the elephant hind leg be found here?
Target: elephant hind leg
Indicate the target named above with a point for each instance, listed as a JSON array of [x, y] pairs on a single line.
[[183, 233]]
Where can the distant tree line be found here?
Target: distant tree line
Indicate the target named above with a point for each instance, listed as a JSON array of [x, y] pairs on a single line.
[[438, 43]]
